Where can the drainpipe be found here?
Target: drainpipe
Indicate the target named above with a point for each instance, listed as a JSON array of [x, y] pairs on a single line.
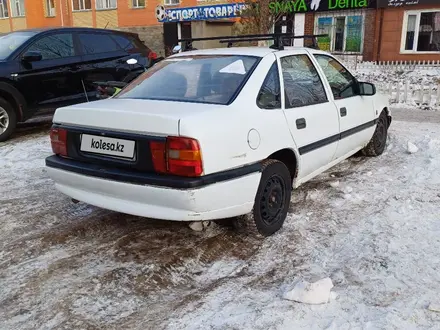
[[379, 46], [62, 12]]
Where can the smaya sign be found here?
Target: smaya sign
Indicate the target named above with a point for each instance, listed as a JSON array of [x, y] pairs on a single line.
[[303, 6]]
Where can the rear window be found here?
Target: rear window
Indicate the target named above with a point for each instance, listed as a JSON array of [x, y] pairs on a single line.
[[95, 43], [124, 42], [203, 79]]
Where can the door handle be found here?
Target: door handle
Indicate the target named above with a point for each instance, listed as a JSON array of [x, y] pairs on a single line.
[[301, 123], [343, 111]]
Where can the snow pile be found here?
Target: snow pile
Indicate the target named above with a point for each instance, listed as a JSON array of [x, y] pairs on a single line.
[[422, 86], [369, 226]]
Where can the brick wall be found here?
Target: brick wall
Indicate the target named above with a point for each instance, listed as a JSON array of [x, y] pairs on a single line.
[[392, 35], [309, 28], [369, 35]]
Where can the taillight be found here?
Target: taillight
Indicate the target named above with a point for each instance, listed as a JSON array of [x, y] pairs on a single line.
[[152, 55], [178, 156], [58, 140]]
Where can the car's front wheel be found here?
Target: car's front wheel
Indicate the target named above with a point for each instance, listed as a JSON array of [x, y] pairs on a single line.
[[8, 120], [271, 201], [379, 140]]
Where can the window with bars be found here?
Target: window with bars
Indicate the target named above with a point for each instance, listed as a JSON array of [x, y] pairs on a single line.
[[421, 31], [50, 5], [106, 4], [17, 8], [79, 5], [3, 9], [138, 3], [171, 2]]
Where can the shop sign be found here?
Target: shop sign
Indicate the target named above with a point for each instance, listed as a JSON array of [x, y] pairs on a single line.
[[404, 3], [304, 6], [199, 13]]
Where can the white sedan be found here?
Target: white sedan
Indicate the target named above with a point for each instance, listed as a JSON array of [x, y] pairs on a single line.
[[217, 133]]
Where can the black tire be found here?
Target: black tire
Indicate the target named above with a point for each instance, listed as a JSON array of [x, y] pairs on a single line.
[[8, 119], [378, 142], [268, 214]]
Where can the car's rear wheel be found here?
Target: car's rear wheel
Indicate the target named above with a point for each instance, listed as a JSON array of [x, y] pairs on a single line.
[[378, 142], [271, 201], [8, 120]]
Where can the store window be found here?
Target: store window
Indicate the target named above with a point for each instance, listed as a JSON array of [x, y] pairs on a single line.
[[421, 31], [345, 33]]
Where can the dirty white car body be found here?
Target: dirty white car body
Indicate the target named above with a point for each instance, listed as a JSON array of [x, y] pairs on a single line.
[[243, 149]]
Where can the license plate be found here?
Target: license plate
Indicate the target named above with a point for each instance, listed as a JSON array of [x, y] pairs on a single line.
[[107, 146]]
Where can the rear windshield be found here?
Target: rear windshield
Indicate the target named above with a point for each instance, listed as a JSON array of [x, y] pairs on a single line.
[[203, 79], [11, 41]]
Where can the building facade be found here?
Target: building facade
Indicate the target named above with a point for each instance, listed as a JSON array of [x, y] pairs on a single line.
[[409, 30], [370, 30]]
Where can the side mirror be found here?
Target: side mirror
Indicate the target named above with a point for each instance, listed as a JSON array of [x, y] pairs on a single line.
[[367, 89], [177, 49], [132, 61], [32, 56]]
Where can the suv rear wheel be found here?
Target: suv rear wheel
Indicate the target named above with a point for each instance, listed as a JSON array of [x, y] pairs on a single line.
[[271, 201], [8, 120]]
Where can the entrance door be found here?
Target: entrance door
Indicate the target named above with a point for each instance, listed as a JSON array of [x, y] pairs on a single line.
[[286, 25], [170, 37], [339, 34]]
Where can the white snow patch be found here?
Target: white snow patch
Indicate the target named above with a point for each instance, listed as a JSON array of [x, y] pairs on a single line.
[[412, 148], [311, 293]]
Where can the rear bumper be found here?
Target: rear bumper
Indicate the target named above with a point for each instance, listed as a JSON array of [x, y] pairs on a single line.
[[222, 199]]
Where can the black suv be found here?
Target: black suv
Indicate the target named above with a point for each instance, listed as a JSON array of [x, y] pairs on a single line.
[[43, 69]]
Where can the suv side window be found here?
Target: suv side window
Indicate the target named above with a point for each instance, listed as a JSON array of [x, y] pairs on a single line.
[[340, 80], [54, 46], [97, 43], [269, 96], [302, 84]]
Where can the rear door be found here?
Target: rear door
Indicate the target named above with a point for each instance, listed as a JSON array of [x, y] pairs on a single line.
[[311, 116], [356, 113], [54, 81], [102, 60]]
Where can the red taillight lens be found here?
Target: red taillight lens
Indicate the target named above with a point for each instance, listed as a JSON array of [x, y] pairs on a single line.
[[178, 156], [158, 156], [152, 55], [58, 140]]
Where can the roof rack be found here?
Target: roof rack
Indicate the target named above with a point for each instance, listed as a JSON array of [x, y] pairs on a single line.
[[276, 37]]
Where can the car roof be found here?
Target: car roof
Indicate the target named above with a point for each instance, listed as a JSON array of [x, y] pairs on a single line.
[[72, 29], [243, 51]]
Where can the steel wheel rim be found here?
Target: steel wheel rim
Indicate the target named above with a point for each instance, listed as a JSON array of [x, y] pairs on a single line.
[[381, 132], [4, 120], [272, 201]]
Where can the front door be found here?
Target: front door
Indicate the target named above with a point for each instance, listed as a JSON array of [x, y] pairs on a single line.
[[54, 81], [356, 113], [170, 37], [311, 116]]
